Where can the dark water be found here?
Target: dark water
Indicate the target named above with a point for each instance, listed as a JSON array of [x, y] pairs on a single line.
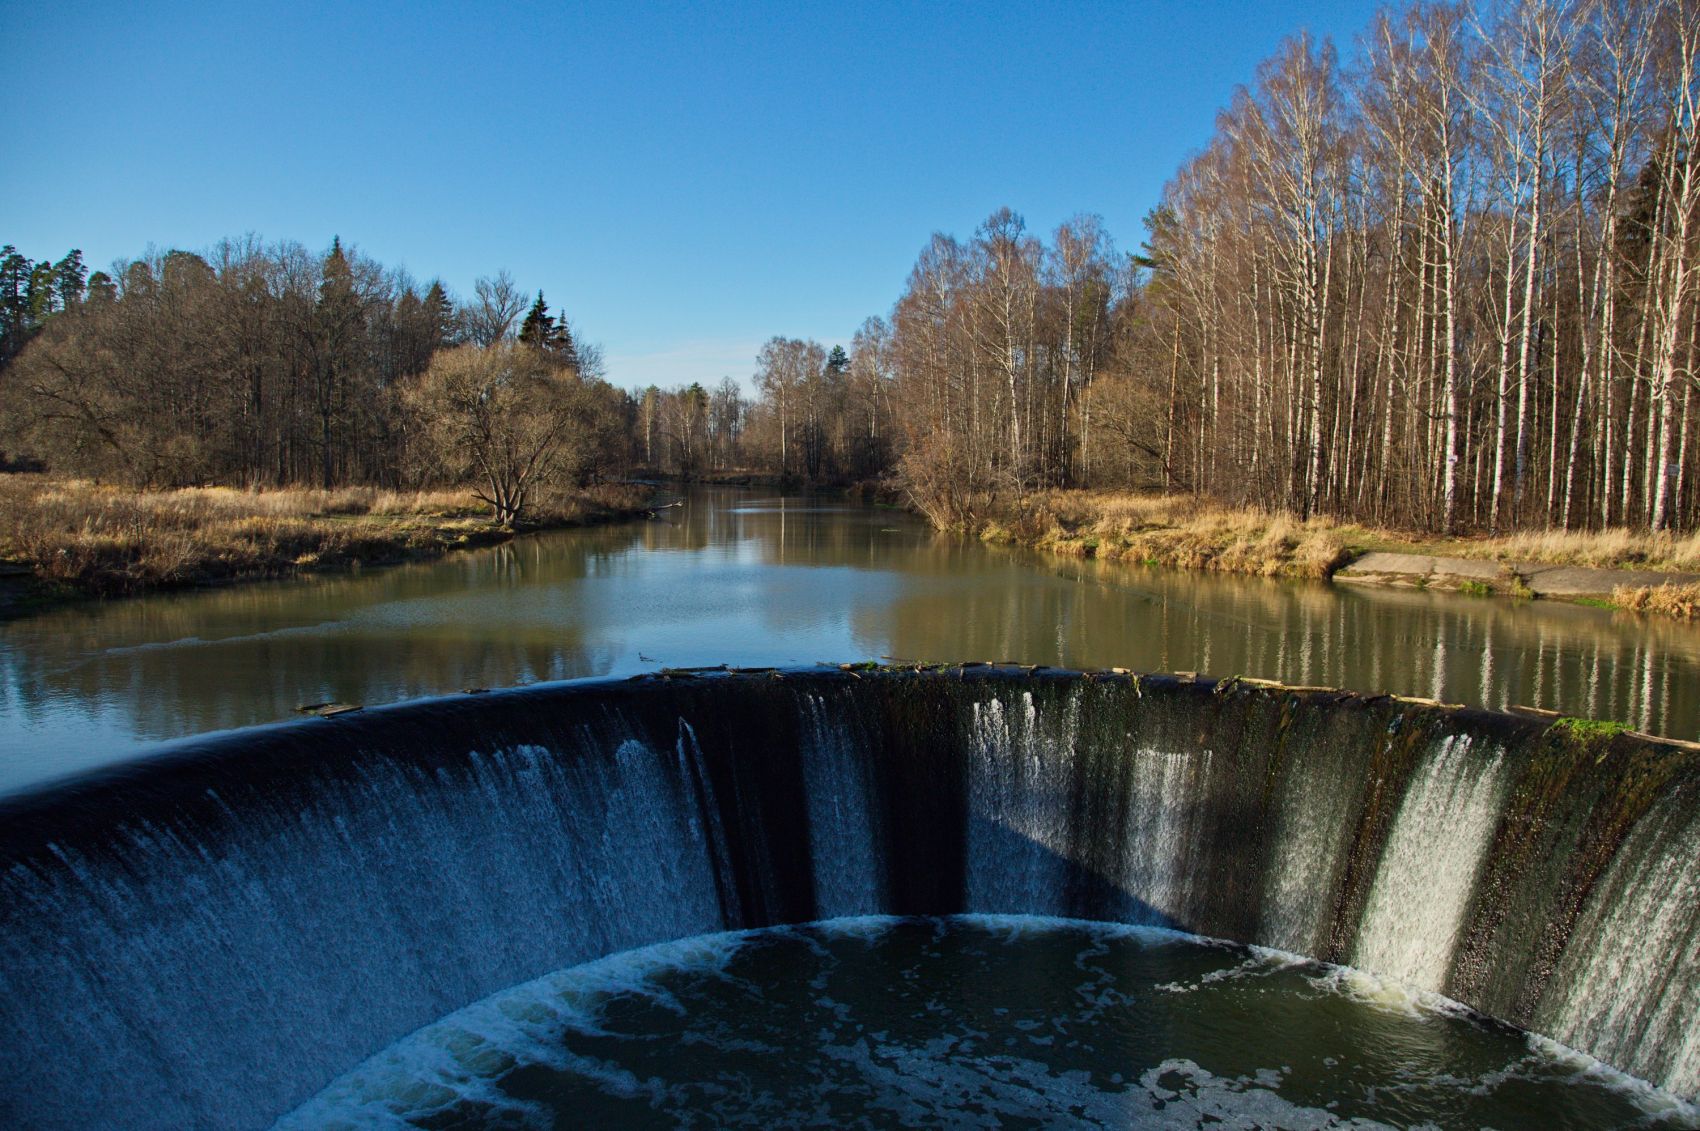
[[1006, 1021], [745, 578]]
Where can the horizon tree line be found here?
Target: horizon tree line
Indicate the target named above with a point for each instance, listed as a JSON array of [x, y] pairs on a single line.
[[1451, 285], [265, 364]]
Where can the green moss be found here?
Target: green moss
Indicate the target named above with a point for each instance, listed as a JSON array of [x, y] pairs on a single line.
[[1588, 730], [1594, 602], [1476, 589]]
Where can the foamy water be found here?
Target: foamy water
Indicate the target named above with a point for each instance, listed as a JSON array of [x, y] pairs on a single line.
[[976, 1020]]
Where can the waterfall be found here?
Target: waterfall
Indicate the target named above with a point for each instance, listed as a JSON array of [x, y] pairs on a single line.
[[1163, 814], [210, 935], [1428, 869], [1019, 778], [1312, 830], [185, 957], [1645, 932], [706, 823], [844, 836]]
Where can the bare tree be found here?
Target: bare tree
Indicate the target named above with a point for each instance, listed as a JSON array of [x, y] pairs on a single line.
[[497, 302], [503, 415]]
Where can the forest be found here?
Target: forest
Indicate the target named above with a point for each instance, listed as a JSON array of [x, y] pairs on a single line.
[[1449, 285]]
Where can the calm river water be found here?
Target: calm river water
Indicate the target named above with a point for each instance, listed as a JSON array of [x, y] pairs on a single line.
[[754, 579]]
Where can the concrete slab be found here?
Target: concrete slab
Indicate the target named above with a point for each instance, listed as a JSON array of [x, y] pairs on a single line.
[[1540, 578], [1383, 568], [1581, 581]]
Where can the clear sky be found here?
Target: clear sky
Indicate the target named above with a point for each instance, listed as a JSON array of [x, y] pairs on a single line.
[[686, 180]]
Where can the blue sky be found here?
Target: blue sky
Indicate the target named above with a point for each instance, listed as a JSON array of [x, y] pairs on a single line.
[[687, 180]]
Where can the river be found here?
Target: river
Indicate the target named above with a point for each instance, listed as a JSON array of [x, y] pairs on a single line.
[[751, 578]]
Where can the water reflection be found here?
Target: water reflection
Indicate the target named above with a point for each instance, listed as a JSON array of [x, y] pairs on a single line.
[[748, 579]]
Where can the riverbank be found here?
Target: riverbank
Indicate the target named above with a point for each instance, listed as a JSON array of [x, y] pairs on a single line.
[[67, 539], [1616, 568]]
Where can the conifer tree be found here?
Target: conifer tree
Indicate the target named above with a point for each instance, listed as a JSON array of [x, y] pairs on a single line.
[[69, 277], [43, 295], [15, 272], [565, 347], [340, 324], [101, 288], [537, 328], [440, 316]]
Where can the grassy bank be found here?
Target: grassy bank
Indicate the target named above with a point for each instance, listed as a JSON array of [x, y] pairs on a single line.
[[70, 537], [1173, 531], [1679, 601], [1183, 532]]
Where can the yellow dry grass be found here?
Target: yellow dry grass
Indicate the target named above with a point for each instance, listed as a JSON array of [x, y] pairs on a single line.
[[1679, 601], [1176, 531], [1616, 548], [111, 540], [1184, 531]]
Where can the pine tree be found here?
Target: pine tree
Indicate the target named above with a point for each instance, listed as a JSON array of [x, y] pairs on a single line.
[[14, 300], [341, 324], [440, 315], [43, 295], [101, 289], [537, 328], [69, 277], [565, 347]]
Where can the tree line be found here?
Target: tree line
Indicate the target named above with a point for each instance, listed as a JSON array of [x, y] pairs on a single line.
[[266, 364], [1452, 286]]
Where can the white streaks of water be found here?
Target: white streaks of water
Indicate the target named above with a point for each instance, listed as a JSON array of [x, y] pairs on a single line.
[[1429, 866], [1628, 986]]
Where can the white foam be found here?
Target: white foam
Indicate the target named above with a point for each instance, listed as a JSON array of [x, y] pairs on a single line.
[[1389, 995], [1178, 1093], [1583, 1067], [1259, 964], [868, 927]]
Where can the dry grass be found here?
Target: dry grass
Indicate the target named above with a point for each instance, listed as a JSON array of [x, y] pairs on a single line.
[[1616, 548], [1182, 532], [1191, 533], [106, 540], [1174, 531], [1679, 601]]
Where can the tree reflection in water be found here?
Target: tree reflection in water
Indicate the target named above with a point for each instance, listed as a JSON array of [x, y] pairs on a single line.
[[749, 578]]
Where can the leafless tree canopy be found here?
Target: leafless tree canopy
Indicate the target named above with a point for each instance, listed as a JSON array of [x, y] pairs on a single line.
[[1453, 285], [266, 364]]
